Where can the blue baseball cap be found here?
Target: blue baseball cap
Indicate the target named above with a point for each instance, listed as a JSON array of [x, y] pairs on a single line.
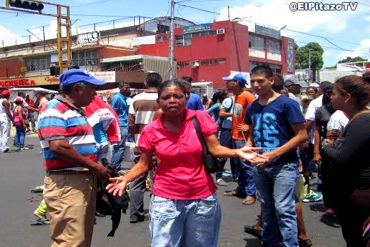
[[73, 76], [239, 77]]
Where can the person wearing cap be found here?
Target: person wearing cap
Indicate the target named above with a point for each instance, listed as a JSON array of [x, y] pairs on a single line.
[[69, 150], [5, 119], [246, 188], [19, 120]]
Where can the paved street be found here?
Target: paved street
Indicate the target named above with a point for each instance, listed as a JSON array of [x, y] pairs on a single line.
[[21, 171]]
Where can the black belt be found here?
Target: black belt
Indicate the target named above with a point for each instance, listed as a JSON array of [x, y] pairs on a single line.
[[54, 172]]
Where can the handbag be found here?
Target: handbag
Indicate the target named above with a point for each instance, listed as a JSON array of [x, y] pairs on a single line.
[[211, 163]]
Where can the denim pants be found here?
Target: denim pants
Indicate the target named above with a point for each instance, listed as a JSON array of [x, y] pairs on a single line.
[[119, 150], [20, 136], [276, 185], [246, 185], [226, 141], [184, 223]]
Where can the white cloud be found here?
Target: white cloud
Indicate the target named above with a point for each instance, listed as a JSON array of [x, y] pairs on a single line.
[[360, 51], [8, 37]]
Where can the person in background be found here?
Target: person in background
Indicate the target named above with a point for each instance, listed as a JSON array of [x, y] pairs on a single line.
[[214, 110], [311, 92], [246, 188], [19, 119], [6, 118], [142, 111], [119, 105], [349, 155], [184, 210], [194, 100], [42, 100], [69, 150], [31, 115], [206, 102]]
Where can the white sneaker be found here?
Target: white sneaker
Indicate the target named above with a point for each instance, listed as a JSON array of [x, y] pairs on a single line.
[[221, 182]]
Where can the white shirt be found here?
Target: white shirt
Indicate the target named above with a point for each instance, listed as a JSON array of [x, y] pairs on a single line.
[[312, 107], [337, 121]]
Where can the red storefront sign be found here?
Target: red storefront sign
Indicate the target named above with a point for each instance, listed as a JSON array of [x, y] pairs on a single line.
[[17, 83]]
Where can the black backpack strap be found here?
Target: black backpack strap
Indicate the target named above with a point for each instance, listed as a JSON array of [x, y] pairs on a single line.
[[200, 135]]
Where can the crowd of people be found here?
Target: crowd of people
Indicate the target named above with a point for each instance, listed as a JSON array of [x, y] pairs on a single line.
[[268, 129]]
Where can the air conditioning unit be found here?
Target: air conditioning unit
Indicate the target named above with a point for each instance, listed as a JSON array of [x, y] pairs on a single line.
[[220, 31]]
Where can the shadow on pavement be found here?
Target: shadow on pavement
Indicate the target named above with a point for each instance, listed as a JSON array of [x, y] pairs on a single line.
[[252, 242]]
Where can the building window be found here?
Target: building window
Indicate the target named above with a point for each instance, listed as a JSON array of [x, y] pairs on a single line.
[[256, 46], [37, 63], [185, 40], [273, 50]]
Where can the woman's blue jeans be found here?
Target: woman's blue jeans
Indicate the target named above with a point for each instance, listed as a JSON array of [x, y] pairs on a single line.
[[20, 136], [184, 223]]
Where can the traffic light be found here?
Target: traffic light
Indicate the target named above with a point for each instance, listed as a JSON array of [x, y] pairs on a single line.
[[31, 5]]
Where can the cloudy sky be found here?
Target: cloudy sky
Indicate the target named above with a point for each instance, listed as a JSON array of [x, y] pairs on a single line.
[[341, 33]]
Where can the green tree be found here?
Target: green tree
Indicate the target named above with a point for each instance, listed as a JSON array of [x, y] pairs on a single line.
[[310, 56], [352, 59]]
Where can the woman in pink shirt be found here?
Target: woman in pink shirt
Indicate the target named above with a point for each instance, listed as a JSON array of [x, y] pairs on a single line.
[[183, 210]]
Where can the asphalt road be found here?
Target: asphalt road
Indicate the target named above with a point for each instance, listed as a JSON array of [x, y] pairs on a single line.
[[21, 171]]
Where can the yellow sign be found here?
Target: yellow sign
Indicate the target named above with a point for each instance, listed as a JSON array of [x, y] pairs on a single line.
[[30, 81]]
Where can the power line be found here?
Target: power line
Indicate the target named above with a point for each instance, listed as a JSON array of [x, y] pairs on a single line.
[[291, 30]]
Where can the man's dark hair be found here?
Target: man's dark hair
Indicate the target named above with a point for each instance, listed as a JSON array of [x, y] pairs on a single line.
[[278, 82], [153, 79], [187, 78], [122, 84], [68, 89], [262, 69]]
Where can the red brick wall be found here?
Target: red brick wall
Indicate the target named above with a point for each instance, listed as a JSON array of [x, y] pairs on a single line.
[[10, 67]]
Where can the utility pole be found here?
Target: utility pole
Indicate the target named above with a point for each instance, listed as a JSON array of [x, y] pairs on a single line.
[[228, 12], [309, 64], [171, 51]]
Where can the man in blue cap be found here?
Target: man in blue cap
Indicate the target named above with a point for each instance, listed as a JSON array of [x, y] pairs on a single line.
[[69, 150], [246, 188]]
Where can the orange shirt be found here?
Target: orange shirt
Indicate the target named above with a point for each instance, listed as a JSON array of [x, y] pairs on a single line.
[[239, 109]]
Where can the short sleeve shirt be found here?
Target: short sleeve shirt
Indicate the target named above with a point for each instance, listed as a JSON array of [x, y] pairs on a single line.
[[180, 171], [239, 108], [271, 124]]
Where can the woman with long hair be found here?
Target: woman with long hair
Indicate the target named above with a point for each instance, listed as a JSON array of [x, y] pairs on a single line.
[[349, 155]]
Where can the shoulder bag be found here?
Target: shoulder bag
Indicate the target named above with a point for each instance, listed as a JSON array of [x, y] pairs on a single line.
[[211, 163]]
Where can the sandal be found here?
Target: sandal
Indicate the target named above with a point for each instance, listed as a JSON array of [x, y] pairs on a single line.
[[249, 200], [230, 193], [254, 231]]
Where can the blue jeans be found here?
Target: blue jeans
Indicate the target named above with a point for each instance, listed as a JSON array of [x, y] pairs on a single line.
[[225, 140], [246, 185], [119, 150], [184, 223], [20, 136], [276, 185]]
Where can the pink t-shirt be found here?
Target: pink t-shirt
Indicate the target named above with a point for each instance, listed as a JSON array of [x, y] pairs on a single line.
[[180, 171]]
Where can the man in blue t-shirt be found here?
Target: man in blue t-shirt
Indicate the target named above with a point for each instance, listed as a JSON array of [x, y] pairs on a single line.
[[276, 124], [120, 106], [194, 101]]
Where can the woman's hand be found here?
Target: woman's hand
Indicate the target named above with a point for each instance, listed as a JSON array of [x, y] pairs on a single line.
[[268, 158], [117, 186], [250, 154]]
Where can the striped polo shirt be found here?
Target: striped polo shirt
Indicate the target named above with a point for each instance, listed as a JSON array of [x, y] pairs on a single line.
[[143, 107], [60, 120]]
